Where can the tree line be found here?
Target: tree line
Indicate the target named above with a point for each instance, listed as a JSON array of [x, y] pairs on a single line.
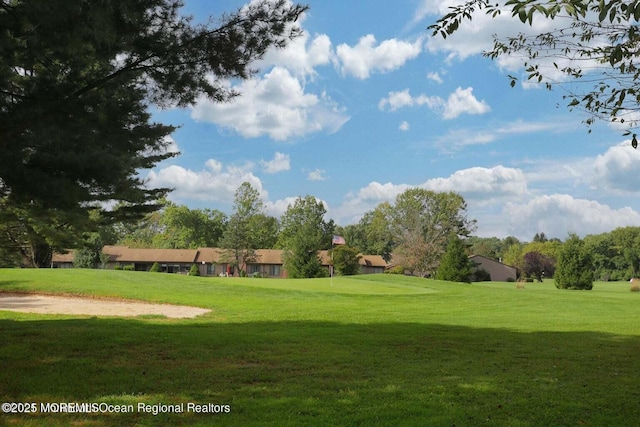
[[416, 229], [428, 233]]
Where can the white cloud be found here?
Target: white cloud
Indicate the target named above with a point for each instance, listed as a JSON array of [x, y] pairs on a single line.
[[476, 36], [460, 138], [462, 101], [281, 162], [275, 105], [483, 186], [434, 76], [365, 57], [366, 199], [215, 183], [301, 55], [279, 207], [614, 172], [397, 100], [317, 175], [559, 214], [169, 146], [617, 169], [404, 126]]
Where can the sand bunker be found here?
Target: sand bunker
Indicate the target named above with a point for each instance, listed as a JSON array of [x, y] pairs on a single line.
[[46, 304]]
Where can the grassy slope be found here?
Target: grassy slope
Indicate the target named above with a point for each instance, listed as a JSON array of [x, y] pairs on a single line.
[[368, 350]]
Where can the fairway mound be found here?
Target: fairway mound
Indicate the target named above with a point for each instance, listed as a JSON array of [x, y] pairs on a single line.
[[48, 304]]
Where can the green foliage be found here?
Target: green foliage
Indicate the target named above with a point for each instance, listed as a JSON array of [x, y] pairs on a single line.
[[194, 271], [303, 233], [155, 268], [372, 234], [83, 258], [395, 270], [580, 23], [346, 260], [514, 256], [421, 223], [615, 254], [301, 259], [29, 234], [575, 266], [455, 265], [482, 275], [182, 228], [538, 266], [78, 83], [264, 231], [244, 230], [306, 215], [129, 267]]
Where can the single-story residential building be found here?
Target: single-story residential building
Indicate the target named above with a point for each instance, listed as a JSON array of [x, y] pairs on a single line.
[[498, 271], [210, 261], [372, 264], [169, 260]]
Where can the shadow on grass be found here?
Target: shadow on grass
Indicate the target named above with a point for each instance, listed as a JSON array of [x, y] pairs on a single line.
[[320, 373]]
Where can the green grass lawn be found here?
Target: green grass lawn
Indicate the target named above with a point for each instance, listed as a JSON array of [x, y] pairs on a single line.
[[364, 350]]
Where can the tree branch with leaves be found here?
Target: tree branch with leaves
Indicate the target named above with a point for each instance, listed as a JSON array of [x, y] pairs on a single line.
[[593, 44]]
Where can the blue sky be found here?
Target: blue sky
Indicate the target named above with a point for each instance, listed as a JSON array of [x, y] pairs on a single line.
[[367, 104]]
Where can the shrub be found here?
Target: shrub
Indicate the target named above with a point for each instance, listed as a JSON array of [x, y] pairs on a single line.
[[155, 268], [194, 270], [575, 266], [117, 266], [398, 269], [481, 275], [83, 258], [128, 267], [511, 279]]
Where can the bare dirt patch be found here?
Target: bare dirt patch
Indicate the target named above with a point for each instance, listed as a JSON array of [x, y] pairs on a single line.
[[48, 304]]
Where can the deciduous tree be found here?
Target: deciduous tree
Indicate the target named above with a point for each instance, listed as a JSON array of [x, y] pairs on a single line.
[[422, 221], [538, 265], [240, 239], [184, 228]]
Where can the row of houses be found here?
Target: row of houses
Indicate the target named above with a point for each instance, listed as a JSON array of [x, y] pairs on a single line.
[[212, 262]]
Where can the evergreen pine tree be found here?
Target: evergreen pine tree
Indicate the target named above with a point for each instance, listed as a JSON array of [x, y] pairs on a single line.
[[455, 265]]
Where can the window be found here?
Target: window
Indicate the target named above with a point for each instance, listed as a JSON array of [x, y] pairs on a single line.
[[274, 270], [253, 268]]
